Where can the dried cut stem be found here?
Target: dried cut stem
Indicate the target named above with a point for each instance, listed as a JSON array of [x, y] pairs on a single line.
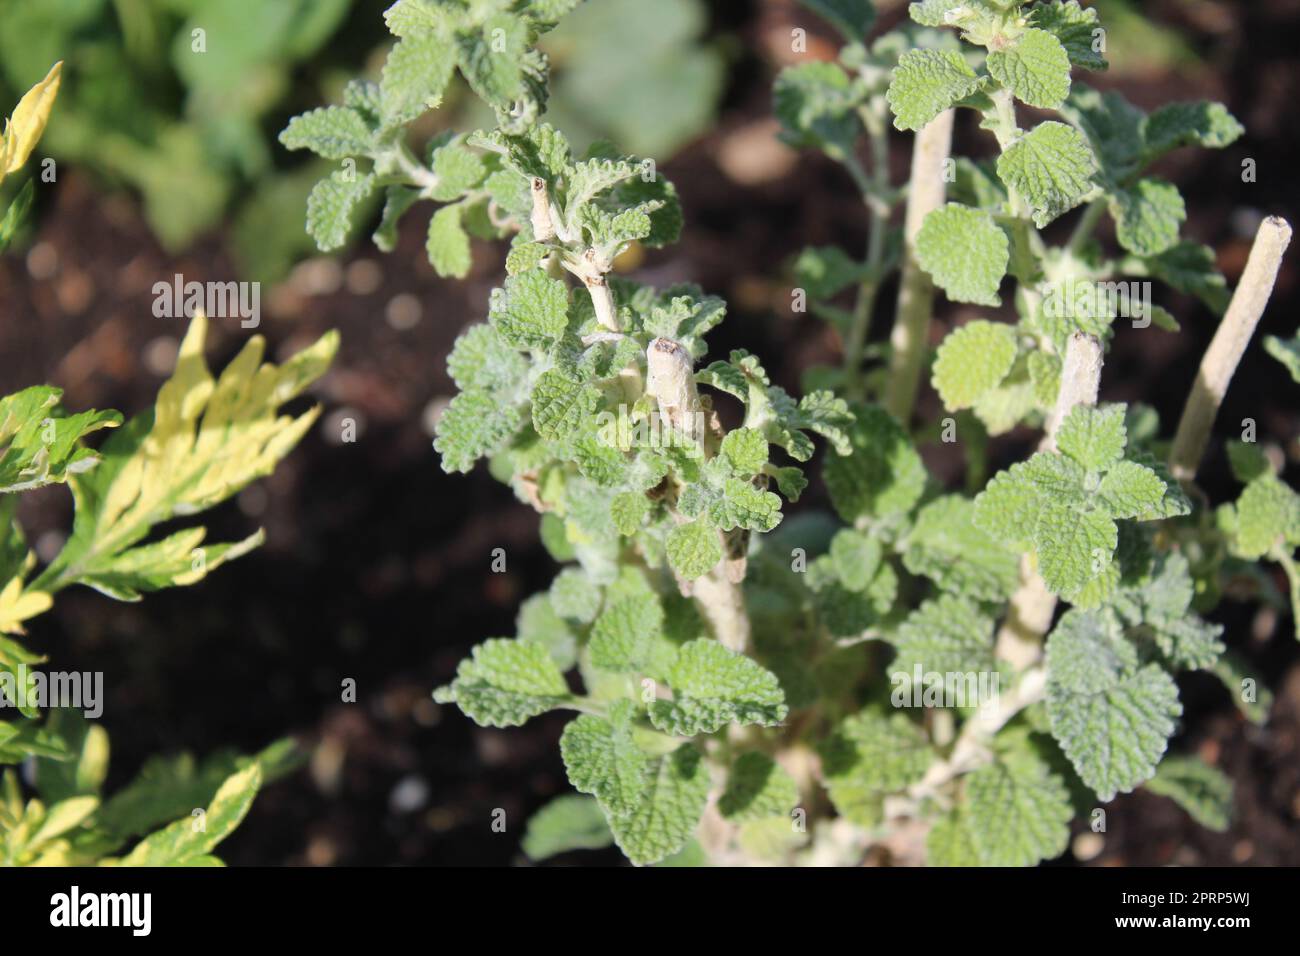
[[543, 225], [911, 333], [1225, 351], [670, 378]]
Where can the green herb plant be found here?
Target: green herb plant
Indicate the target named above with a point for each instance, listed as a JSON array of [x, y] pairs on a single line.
[[204, 440], [897, 681]]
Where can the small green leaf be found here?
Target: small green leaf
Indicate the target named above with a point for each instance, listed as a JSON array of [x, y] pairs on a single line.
[[944, 636], [693, 549], [973, 360], [566, 823], [531, 311], [1077, 28], [1094, 437], [415, 75], [561, 405], [1203, 791], [745, 450], [448, 243], [884, 475], [965, 252], [331, 205], [1036, 68], [1205, 124], [669, 812], [1130, 490], [947, 546], [1148, 215], [757, 788]]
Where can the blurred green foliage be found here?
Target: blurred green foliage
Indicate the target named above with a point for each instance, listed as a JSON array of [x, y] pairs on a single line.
[[167, 97], [187, 120], [651, 103]]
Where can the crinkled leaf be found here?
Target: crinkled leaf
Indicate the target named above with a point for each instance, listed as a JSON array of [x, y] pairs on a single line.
[[1052, 167], [927, 82]]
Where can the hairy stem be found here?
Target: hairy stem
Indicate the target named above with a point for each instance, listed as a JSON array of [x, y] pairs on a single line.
[[879, 209], [911, 333], [1029, 615], [1225, 351], [971, 749], [1087, 224]]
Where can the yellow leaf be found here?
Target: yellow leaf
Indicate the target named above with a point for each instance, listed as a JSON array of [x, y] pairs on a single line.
[[25, 127], [17, 606]]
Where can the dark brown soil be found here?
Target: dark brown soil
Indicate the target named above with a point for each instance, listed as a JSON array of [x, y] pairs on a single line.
[[376, 565]]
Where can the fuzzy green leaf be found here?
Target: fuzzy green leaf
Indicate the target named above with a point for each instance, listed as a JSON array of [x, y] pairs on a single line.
[[331, 204], [693, 549], [745, 450], [870, 754], [972, 360], [669, 811], [1268, 515], [1203, 791], [334, 132], [1052, 167], [1076, 27], [1074, 546], [414, 78], [1148, 215], [943, 636], [531, 311], [561, 406], [947, 546], [884, 475], [1130, 490], [1018, 810], [1094, 437], [602, 759], [713, 687], [1111, 715], [505, 682], [623, 637], [815, 105], [1205, 124], [1036, 68], [448, 243], [475, 423], [965, 252], [927, 82]]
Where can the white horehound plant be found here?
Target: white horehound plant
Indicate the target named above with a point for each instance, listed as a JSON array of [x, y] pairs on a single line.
[[205, 439], [737, 677]]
